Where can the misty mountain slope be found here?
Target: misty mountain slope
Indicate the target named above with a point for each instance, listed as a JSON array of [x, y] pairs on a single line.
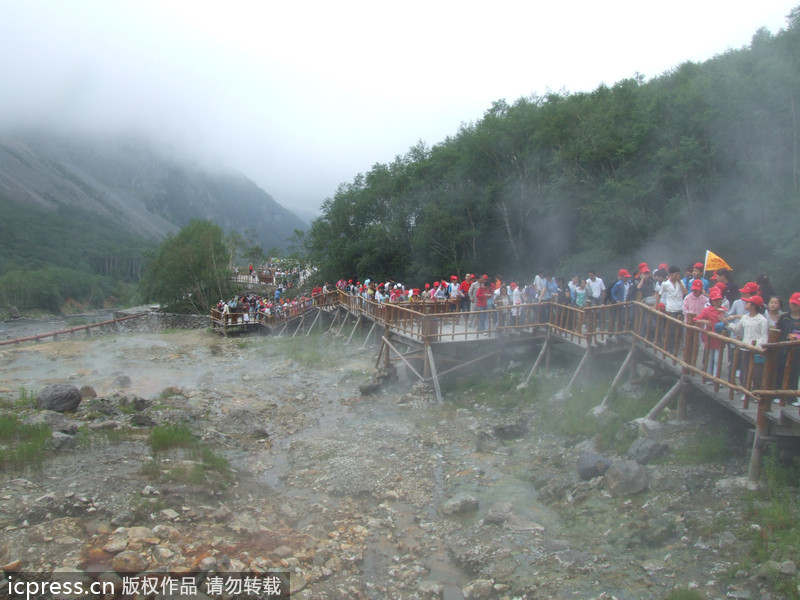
[[128, 185]]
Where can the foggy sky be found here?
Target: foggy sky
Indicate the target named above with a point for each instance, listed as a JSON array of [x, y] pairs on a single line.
[[302, 96]]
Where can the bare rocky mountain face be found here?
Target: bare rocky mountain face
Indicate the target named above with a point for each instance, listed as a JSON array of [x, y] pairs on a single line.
[[130, 185]]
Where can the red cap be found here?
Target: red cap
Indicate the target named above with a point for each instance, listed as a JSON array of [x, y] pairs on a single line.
[[623, 273], [415, 292], [795, 298], [697, 285], [453, 278], [350, 281], [484, 276], [515, 286], [751, 287], [427, 286], [720, 286], [757, 300], [645, 270], [643, 266], [661, 306], [663, 267], [714, 294], [699, 266], [714, 277], [435, 284]]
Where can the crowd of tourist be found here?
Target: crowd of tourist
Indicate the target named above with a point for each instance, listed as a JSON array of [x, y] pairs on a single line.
[[253, 307], [712, 301]]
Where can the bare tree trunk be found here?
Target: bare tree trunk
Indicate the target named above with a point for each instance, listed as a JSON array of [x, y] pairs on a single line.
[[511, 241]]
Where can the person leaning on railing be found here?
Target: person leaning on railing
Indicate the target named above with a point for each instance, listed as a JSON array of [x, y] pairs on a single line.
[[751, 328]]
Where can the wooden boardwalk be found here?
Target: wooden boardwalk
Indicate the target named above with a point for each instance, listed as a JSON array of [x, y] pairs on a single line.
[[752, 383]]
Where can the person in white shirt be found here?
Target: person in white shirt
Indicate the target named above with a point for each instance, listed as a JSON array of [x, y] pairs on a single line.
[[596, 289], [751, 328], [672, 293]]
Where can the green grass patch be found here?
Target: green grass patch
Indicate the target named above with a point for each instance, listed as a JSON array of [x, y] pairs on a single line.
[[22, 445], [704, 448], [572, 418], [776, 509], [25, 399], [205, 465], [164, 437]]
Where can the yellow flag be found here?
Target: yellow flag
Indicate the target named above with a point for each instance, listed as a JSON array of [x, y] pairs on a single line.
[[715, 262]]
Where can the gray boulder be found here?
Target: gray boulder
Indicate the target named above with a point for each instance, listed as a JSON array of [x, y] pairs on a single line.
[[591, 464], [459, 504], [60, 397], [62, 441], [88, 391], [122, 381], [643, 450], [626, 477]]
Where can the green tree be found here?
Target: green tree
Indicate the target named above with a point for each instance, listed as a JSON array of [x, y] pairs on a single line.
[[189, 271]]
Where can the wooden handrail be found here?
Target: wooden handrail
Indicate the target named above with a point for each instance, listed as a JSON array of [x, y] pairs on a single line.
[[41, 336]]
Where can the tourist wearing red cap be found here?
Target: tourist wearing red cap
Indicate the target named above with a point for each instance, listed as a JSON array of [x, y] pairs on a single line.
[[709, 318], [482, 299], [696, 274], [789, 326], [737, 309], [694, 302], [646, 288], [619, 291]]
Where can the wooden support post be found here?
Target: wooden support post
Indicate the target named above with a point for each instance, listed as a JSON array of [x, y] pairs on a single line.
[[547, 353], [403, 358], [314, 322], [565, 392], [665, 399], [380, 353], [682, 397], [333, 322], [429, 352], [346, 315], [468, 363], [366, 339], [285, 325], [762, 429], [358, 322], [600, 408], [299, 325], [541, 355]]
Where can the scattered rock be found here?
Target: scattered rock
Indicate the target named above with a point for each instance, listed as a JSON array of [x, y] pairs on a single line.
[[87, 391], [123, 519], [55, 420], [122, 381], [592, 464], [169, 513], [13, 313], [110, 424], [498, 513], [149, 490], [282, 551], [478, 589], [162, 553], [12, 566], [142, 420], [728, 484], [431, 589], [209, 563], [460, 504], [643, 450], [60, 397], [128, 562], [116, 544], [626, 477], [62, 441], [368, 389], [511, 429], [787, 567], [726, 538]]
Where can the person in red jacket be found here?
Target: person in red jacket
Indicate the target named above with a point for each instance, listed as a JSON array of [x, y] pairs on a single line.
[[482, 300]]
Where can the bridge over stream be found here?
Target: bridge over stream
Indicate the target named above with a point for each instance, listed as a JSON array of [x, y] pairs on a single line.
[[430, 338]]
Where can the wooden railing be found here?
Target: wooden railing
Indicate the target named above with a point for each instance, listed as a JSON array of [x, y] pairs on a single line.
[[55, 334], [718, 360]]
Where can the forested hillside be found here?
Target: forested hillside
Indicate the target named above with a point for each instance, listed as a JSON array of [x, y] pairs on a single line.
[[78, 213], [704, 156]]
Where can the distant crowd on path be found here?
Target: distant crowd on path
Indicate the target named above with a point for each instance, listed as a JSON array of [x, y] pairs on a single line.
[[253, 307], [714, 303], [277, 272]]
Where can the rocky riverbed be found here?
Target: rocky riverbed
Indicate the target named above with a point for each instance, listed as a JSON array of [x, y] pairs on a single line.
[[381, 496]]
